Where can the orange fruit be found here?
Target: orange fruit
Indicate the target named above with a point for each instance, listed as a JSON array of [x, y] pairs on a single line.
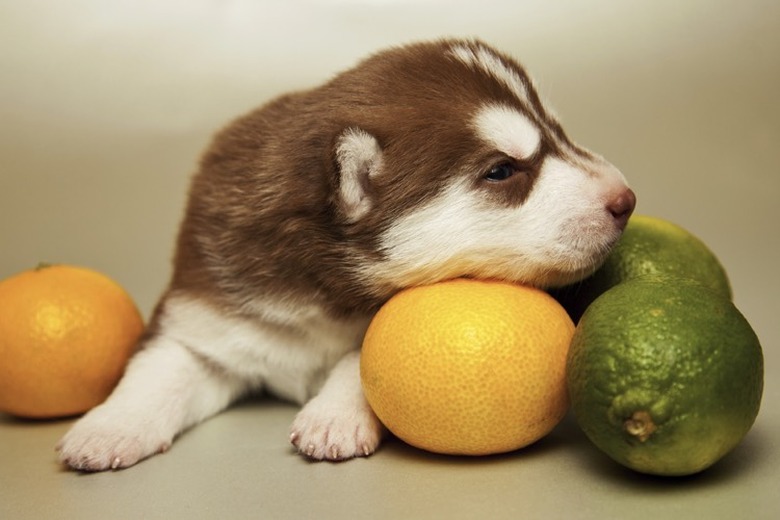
[[468, 367], [66, 334]]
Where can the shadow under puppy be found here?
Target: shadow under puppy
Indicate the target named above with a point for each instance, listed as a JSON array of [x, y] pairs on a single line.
[[422, 163]]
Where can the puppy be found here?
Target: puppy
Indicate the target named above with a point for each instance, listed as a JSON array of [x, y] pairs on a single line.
[[423, 163]]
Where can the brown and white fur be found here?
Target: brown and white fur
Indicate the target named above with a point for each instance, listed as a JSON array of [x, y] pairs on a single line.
[[422, 163]]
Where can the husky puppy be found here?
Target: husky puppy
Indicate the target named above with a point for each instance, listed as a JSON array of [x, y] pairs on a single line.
[[422, 163]]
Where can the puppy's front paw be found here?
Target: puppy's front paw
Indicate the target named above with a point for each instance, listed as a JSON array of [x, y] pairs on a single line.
[[104, 440], [323, 431]]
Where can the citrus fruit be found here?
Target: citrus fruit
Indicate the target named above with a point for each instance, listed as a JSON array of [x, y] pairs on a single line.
[[468, 367], [65, 336], [649, 246], [665, 376]]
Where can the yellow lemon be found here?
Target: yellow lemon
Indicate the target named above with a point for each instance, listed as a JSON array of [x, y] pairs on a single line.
[[468, 367]]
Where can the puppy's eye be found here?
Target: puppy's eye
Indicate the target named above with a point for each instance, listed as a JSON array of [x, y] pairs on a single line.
[[500, 172]]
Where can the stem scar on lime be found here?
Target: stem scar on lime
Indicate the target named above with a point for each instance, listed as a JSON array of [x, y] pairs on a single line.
[[640, 425]]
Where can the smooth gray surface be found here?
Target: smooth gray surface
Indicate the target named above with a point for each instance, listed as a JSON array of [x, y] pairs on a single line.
[[237, 465], [105, 109]]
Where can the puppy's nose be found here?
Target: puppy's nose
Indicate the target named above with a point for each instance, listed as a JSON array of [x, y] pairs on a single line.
[[621, 206]]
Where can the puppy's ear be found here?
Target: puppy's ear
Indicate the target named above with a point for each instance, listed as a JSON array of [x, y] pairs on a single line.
[[359, 159]]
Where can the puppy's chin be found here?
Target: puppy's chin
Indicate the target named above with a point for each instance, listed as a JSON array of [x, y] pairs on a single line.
[[560, 279]]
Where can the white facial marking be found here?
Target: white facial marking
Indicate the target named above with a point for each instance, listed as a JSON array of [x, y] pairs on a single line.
[[507, 130], [560, 233], [492, 65]]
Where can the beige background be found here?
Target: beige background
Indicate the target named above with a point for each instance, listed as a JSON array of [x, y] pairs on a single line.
[[105, 107]]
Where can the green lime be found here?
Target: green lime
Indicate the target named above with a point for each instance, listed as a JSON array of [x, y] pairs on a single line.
[[649, 247], [664, 376]]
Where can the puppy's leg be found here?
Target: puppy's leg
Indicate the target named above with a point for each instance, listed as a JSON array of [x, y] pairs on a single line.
[[165, 390], [338, 423]]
